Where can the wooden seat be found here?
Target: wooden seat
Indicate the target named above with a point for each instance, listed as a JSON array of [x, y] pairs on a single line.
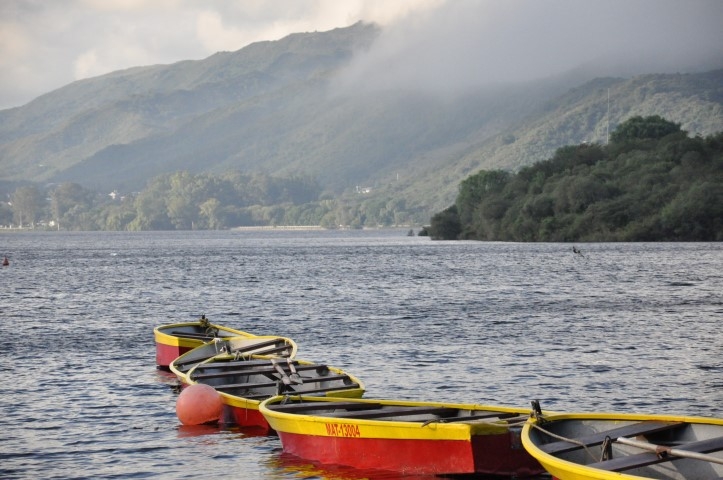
[[642, 428], [190, 363], [628, 462], [299, 387], [487, 415], [196, 336], [305, 407], [395, 412], [241, 364], [253, 371], [245, 386], [290, 389]]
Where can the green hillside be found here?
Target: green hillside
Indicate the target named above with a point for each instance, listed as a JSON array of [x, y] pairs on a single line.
[[271, 108]]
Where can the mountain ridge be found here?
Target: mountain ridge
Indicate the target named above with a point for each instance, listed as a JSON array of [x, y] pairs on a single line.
[[270, 107]]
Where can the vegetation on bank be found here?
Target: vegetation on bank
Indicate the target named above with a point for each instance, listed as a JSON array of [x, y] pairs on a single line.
[[652, 182], [184, 201]]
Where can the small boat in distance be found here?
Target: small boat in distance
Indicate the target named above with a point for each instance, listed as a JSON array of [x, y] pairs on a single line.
[[244, 382], [607, 446], [422, 438], [258, 346], [173, 340]]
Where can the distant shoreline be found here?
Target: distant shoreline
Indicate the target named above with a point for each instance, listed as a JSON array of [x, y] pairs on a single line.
[[281, 227]]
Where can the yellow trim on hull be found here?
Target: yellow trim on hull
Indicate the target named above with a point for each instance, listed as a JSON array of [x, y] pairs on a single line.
[[381, 429], [567, 470], [175, 341]]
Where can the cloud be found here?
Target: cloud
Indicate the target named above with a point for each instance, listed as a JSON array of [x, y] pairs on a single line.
[[45, 45], [433, 44], [468, 43]]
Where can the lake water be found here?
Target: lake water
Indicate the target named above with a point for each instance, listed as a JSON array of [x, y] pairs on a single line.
[[626, 327]]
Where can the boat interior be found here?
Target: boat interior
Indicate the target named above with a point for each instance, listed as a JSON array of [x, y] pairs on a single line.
[[262, 378], [238, 346], [655, 449]]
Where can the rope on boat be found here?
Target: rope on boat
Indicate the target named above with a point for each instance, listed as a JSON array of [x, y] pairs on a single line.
[[241, 356], [565, 439], [206, 325], [537, 415]]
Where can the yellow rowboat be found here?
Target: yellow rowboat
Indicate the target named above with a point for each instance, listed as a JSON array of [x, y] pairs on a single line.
[[606, 446], [261, 346], [421, 438], [244, 382], [173, 340]]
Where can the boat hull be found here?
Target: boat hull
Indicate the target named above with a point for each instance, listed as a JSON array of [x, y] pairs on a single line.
[[173, 340], [242, 389], [408, 447], [582, 458], [244, 413]]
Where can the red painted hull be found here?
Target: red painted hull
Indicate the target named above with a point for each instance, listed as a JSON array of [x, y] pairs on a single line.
[[165, 354], [488, 454], [245, 418]]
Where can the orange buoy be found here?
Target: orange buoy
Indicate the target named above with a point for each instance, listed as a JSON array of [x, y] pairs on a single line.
[[198, 404]]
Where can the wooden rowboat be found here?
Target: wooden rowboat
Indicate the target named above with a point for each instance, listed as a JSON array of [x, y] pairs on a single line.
[[605, 446], [244, 382], [259, 346], [409, 437], [173, 340]]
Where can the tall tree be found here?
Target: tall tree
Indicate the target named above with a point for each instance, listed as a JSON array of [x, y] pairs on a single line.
[[26, 204]]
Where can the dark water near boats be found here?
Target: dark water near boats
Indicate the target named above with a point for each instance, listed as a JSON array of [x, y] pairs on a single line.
[[627, 327]]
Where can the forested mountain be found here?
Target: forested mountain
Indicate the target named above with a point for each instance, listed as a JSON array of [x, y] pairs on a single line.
[[271, 110], [652, 182]]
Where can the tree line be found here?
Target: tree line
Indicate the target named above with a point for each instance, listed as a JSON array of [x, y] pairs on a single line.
[[185, 201], [651, 182]]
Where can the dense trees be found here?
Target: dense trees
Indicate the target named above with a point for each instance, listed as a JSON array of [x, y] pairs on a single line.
[[185, 201], [652, 182]]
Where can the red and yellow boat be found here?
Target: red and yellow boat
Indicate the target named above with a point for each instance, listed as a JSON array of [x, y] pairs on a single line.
[[173, 340], [422, 438], [244, 382]]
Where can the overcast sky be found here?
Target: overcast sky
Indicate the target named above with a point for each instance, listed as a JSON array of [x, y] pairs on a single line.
[[47, 44]]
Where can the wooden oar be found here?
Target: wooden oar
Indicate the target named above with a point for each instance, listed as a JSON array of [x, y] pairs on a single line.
[[295, 377], [676, 452], [284, 378]]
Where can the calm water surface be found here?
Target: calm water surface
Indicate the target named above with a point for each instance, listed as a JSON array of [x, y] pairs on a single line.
[[627, 327]]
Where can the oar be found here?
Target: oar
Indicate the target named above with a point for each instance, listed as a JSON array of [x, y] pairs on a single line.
[[284, 378], [676, 452], [295, 377]]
